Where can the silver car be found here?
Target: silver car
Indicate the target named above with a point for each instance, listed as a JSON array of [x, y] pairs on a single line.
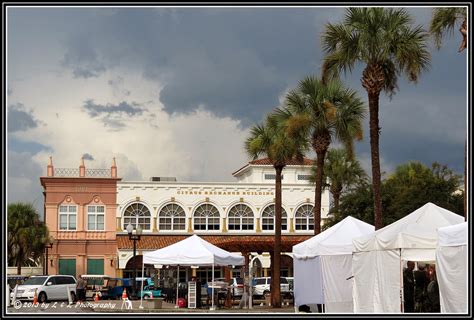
[[47, 288]]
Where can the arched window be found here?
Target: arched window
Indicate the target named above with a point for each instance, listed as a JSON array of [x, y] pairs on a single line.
[[137, 214], [268, 218], [304, 219], [172, 217], [241, 218], [206, 217]]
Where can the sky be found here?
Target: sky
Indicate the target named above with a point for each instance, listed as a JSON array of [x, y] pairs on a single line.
[[173, 91]]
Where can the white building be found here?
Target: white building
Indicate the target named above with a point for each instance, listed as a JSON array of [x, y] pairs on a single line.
[[238, 213]]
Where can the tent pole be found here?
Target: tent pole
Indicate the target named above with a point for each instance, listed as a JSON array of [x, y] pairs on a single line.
[[177, 285], [212, 288], [143, 280], [402, 298]]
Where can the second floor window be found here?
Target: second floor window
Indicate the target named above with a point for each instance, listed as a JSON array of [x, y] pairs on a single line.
[[268, 218], [95, 217], [304, 218], [172, 217], [206, 217], [241, 218], [67, 217], [137, 215]]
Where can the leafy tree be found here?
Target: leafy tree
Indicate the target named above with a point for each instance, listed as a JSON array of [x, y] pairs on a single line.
[[384, 40], [411, 186], [322, 112], [444, 20], [27, 235], [271, 140]]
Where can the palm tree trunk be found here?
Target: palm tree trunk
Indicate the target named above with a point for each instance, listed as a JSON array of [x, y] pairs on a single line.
[[374, 151], [319, 186], [275, 289], [336, 196]]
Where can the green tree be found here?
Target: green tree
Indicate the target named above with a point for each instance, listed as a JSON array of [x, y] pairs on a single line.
[[342, 172], [444, 20], [271, 140], [384, 40], [322, 112], [27, 235], [408, 188]]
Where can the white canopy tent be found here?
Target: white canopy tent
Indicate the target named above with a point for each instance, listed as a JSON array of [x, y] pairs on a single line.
[[192, 251], [323, 266], [377, 258], [451, 265]]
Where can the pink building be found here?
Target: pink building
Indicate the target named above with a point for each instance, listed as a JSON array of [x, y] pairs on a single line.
[[80, 208]]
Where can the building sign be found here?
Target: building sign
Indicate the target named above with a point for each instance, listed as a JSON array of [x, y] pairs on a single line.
[[227, 193]]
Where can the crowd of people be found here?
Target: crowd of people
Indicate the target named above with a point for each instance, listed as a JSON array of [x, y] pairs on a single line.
[[420, 288]]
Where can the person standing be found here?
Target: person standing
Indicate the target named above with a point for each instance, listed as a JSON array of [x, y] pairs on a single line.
[[81, 289], [433, 293], [409, 288], [421, 284]]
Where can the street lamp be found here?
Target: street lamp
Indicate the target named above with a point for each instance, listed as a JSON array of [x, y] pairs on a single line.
[[135, 237], [47, 246]]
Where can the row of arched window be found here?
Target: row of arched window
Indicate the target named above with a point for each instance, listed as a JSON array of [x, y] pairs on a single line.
[[206, 217]]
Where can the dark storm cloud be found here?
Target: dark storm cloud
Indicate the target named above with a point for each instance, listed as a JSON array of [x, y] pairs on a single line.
[[82, 59], [117, 87], [233, 62], [112, 115], [87, 156], [20, 119]]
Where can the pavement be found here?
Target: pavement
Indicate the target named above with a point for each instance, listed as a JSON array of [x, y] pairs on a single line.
[[117, 306]]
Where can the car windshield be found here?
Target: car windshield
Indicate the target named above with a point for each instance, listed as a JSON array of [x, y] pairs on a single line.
[[260, 281], [283, 280], [240, 281], [35, 281]]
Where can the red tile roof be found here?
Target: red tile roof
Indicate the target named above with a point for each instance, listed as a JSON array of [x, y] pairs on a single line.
[[233, 243]]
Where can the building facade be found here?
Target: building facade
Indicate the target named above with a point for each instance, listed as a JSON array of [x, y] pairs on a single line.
[[236, 216]]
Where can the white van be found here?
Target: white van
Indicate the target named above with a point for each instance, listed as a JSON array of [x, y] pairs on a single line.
[[261, 286], [47, 287]]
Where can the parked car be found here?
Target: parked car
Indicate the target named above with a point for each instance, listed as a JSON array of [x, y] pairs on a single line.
[[47, 288], [94, 283], [149, 288], [113, 288], [262, 286], [291, 281], [235, 284]]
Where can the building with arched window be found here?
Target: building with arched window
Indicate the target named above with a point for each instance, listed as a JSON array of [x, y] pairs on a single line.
[[236, 216]]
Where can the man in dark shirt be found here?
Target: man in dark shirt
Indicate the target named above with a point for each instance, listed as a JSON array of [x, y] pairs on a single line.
[[409, 287], [421, 283]]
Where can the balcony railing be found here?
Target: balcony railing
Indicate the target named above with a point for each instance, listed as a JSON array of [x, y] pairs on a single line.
[[74, 172]]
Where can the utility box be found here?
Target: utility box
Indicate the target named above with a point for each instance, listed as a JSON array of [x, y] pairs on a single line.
[[154, 303]]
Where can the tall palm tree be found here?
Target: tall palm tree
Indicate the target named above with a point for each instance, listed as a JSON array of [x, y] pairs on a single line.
[[321, 112], [27, 235], [342, 172], [384, 40], [444, 21], [272, 141]]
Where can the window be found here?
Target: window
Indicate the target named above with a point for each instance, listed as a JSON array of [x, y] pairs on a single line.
[[268, 218], [67, 217], [95, 217], [137, 215], [206, 217], [172, 217], [240, 218], [304, 177], [67, 267], [271, 177], [95, 266], [304, 219]]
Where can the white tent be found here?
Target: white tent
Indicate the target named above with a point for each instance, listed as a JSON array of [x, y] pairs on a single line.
[[192, 251], [451, 265], [323, 264], [377, 258]]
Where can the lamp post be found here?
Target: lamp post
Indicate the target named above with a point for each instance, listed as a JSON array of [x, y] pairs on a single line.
[[47, 246], [135, 237]]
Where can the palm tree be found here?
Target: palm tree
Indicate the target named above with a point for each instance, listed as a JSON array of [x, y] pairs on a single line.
[[320, 112], [384, 40], [272, 141], [342, 173], [27, 235], [444, 20]]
